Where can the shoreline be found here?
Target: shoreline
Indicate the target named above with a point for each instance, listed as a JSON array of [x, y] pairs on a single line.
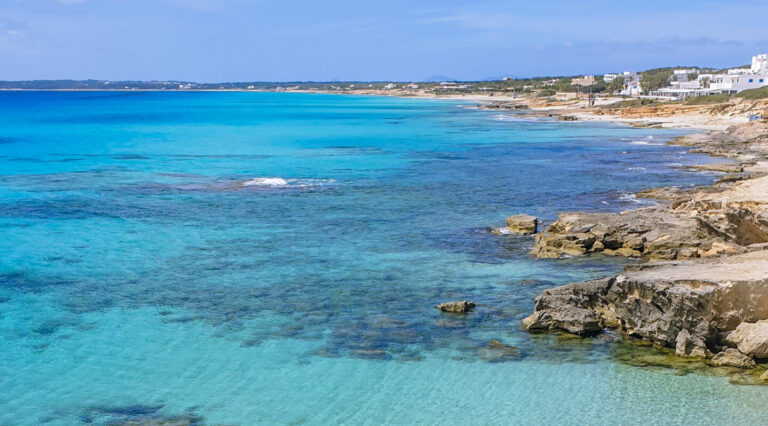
[[702, 286]]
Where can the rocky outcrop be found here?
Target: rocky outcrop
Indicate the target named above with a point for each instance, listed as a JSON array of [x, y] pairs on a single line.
[[733, 358], [462, 307], [657, 233], [751, 338], [703, 224], [522, 224], [686, 305]]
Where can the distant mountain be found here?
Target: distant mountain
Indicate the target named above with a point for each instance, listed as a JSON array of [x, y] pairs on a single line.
[[438, 78]]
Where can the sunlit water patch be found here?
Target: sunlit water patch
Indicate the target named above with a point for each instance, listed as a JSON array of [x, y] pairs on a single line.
[[240, 258]]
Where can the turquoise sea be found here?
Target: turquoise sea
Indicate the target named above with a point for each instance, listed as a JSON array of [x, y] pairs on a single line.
[[254, 258]]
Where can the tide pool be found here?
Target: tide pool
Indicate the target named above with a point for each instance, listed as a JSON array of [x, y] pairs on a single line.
[[262, 258]]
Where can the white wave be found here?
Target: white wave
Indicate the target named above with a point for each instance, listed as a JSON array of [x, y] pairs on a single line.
[[632, 198], [266, 181], [636, 168], [278, 182], [645, 143]]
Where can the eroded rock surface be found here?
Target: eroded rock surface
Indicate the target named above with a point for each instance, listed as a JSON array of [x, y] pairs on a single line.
[[699, 225], [751, 338], [686, 305], [733, 358]]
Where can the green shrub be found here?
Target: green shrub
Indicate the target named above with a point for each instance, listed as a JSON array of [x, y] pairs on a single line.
[[547, 92], [708, 99], [760, 93]]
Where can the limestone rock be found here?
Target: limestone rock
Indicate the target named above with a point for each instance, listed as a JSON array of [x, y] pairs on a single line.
[[681, 304], [522, 224], [751, 338], [462, 307], [689, 347], [764, 377], [496, 351], [569, 308], [732, 358]]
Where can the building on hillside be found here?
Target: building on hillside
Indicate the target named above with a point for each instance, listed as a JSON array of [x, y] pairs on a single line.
[[632, 88], [584, 81], [609, 78], [734, 81]]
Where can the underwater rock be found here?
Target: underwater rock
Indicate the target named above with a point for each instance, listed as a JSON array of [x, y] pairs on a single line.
[[751, 338], [462, 307], [496, 351], [522, 224], [733, 358]]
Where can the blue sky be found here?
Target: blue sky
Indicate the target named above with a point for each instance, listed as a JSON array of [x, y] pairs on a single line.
[[409, 40]]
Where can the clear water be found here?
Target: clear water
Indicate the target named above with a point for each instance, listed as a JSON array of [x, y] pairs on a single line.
[[245, 258]]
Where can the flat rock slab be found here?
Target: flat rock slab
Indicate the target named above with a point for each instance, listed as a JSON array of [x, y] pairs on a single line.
[[698, 299]]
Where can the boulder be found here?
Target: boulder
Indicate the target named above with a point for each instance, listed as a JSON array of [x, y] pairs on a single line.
[[462, 307], [522, 224], [751, 338], [764, 376], [732, 358], [569, 308], [689, 347]]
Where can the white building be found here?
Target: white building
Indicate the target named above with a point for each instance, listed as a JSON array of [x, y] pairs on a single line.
[[633, 88], [741, 79], [609, 78]]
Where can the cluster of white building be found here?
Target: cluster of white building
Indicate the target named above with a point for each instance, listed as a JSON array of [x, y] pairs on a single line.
[[692, 83], [686, 83], [631, 82]]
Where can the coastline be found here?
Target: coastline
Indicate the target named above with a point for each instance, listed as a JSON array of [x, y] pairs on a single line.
[[702, 285]]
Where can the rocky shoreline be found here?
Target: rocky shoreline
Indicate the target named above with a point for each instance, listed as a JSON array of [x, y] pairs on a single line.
[[702, 285]]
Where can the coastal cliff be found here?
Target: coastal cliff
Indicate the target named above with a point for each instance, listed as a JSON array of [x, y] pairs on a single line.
[[703, 286]]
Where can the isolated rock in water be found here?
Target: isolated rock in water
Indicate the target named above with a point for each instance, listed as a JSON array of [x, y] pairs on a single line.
[[751, 338], [522, 224], [732, 358], [456, 307]]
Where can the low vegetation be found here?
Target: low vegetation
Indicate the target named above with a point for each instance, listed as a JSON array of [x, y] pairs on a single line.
[[708, 99], [634, 103], [760, 93]]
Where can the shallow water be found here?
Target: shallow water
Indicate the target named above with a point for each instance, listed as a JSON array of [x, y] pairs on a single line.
[[241, 258]]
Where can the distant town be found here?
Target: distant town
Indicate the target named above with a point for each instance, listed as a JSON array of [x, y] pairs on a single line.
[[661, 84]]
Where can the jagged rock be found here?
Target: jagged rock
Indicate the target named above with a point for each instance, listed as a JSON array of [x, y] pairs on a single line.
[[732, 358], [701, 224], [656, 232], [456, 307], [569, 308], [751, 338], [681, 304], [764, 376], [522, 224], [688, 347]]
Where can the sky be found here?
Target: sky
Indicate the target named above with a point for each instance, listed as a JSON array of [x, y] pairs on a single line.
[[361, 40]]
